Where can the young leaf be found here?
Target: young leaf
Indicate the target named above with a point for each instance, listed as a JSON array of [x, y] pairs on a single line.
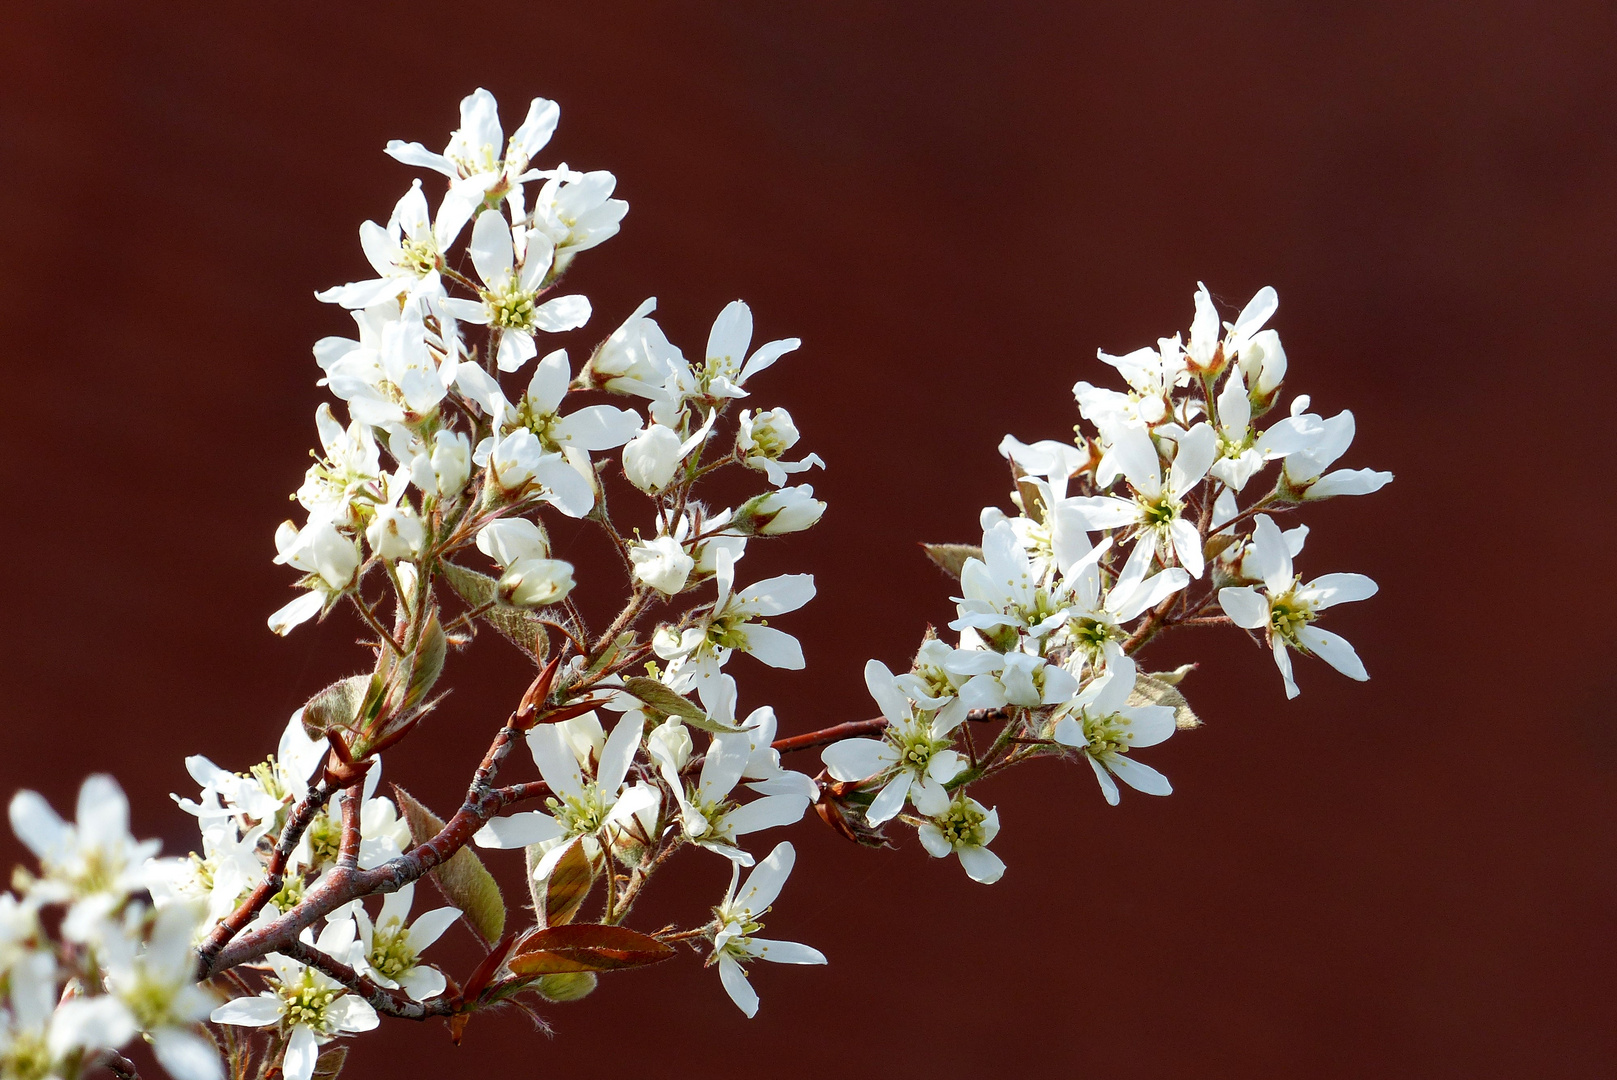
[[329, 1063], [463, 879], [566, 887], [662, 700], [586, 947], [1154, 690], [951, 558], [337, 706], [427, 663], [521, 628]]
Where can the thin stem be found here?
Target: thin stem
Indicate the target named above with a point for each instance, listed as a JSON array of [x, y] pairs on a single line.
[[296, 824], [376, 624], [342, 884]]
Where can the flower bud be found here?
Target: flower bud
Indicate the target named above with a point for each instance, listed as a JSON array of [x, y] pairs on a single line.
[[673, 740], [515, 458], [584, 736], [508, 540], [566, 986], [788, 510], [451, 462], [1263, 363], [651, 458], [662, 564], [535, 582], [396, 533]]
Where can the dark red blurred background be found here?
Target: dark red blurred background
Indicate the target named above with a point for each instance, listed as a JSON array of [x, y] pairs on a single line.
[[953, 205]]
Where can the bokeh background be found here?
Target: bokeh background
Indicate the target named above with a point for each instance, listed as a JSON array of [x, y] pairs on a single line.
[[953, 205]]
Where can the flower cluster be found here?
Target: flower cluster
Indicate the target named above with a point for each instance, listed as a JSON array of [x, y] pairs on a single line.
[[86, 964], [1134, 528], [475, 466]]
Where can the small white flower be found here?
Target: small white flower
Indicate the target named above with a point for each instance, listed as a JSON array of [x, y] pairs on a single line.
[[396, 532], [914, 758], [651, 458], [964, 826], [594, 427], [391, 946], [38, 1034], [1331, 438], [156, 984], [1286, 608], [763, 437], [1105, 727], [519, 461], [408, 254], [735, 622], [509, 298], [308, 1007], [94, 864], [1156, 509], [1002, 592], [740, 917], [662, 564], [597, 806], [575, 211], [709, 816], [445, 469]]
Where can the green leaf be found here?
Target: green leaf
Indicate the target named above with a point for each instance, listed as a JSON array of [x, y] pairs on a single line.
[[337, 706], [463, 879], [566, 986], [951, 558], [586, 947], [566, 887], [1156, 690], [663, 701], [521, 628], [427, 663]]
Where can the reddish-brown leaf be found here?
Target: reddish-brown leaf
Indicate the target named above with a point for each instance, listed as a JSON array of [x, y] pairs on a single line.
[[586, 947]]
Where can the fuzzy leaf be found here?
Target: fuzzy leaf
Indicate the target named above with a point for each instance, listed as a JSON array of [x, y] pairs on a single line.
[[661, 700], [427, 663], [463, 879], [586, 947], [521, 628], [337, 706], [566, 887], [1156, 690], [951, 558], [329, 1063]]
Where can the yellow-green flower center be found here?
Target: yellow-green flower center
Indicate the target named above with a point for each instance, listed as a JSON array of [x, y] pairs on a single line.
[[511, 307], [962, 823], [391, 954]]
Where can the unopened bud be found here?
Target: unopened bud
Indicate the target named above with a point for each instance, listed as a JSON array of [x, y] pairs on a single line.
[[535, 582], [566, 986], [787, 510]]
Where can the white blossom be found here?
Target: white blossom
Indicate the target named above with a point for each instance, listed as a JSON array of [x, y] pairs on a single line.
[[308, 1007], [740, 917], [509, 298], [914, 758], [964, 826], [1104, 727], [662, 564], [93, 864], [1286, 609], [390, 947]]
